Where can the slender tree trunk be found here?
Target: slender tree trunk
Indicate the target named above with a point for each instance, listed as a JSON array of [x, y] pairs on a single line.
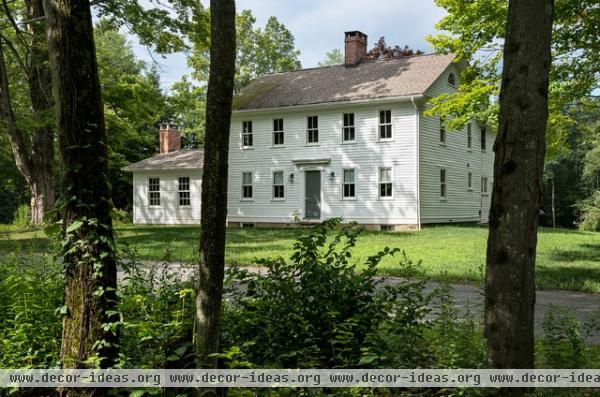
[[553, 203], [85, 204], [517, 192], [34, 158], [40, 92], [214, 181]]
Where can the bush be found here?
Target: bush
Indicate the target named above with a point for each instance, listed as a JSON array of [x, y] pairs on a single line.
[[318, 310], [30, 326], [22, 215], [590, 213]]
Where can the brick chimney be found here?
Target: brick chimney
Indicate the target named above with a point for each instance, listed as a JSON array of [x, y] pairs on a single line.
[[170, 138], [355, 47]]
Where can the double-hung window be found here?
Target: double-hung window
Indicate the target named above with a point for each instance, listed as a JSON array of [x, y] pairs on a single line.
[[278, 187], [277, 132], [184, 190], [483, 139], [348, 185], [469, 136], [442, 183], [247, 185], [385, 182], [442, 131], [385, 125], [470, 181], [154, 191], [348, 127], [484, 185], [247, 139], [312, 129]]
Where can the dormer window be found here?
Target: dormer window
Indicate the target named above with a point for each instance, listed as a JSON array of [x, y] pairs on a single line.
[[452, 79]]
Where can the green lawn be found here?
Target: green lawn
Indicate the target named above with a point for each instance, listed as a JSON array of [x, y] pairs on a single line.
[[567, 259]]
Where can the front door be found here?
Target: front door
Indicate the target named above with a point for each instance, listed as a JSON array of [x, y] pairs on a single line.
[[312, 194]]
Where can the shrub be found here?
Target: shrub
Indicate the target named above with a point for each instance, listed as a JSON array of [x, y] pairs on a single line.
[[590, 213], [319, 310], [22, 215], [30, 298]]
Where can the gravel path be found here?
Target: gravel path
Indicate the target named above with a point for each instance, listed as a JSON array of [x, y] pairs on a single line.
[[469, 298]]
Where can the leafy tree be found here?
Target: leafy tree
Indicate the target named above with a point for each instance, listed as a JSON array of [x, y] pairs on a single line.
[[384, 51], [518, 171], [133, 104], [187, 104], [25, 101], [89, 335], [475, 31], [259, 51], [262, 51], [332, 58], [211, 267]]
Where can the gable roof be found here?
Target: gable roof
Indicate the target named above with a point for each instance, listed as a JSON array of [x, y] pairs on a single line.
[[182, 159], [404, 76]]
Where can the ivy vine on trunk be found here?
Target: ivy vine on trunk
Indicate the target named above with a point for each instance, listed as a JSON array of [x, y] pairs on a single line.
[[89, 337]]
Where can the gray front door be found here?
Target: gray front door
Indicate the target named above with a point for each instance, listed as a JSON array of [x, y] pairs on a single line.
[[313, 194]]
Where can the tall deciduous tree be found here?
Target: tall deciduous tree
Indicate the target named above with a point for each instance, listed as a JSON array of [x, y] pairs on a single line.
[[32, 146], [518, 171], [89, 337], [214, 181]]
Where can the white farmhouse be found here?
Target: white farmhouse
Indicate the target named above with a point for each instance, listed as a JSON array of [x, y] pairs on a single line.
[[347, 141]]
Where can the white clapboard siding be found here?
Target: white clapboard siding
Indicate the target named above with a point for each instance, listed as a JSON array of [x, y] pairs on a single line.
[[169, 212], [365, 155], [461, 204]]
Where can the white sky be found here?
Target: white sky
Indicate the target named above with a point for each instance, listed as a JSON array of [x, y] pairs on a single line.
[[318, 26]]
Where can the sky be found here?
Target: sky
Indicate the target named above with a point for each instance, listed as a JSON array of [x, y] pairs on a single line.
[[318, 26]]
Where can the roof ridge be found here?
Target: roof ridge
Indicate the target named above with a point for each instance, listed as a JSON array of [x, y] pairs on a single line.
[[361, 63]]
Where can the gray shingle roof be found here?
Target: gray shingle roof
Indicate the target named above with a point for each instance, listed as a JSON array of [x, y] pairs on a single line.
[[376, 79], [182, 159]]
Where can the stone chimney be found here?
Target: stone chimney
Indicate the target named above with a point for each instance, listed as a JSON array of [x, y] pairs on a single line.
[[170, 138], [355, 47]]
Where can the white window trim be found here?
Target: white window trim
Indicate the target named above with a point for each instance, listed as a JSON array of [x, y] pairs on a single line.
[[318, 129], [273, 144], [442, 126], [379, 125], [379, 197], [251, 134], [349, 198], [349, 141], [445, 183], [273, 198], [469, 134], [189, 191], [242, 198], [154, 191], [484, 183], [470, 181], [483, 134]]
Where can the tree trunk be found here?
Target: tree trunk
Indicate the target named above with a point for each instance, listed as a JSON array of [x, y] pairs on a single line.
[[42, 139], [35, 160], [214, 181], [553, 203], [89, 256], [517, 192]]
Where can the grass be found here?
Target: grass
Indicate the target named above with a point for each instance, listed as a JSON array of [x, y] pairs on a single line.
[[566, 259]]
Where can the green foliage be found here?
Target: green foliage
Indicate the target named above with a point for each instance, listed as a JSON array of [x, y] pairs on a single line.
[[320, 310], [590, 213], [133, 104], [157, 309], [22, 216], [260, 51], [563, 344], [30, 299], [332, 58], [475, 30]]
